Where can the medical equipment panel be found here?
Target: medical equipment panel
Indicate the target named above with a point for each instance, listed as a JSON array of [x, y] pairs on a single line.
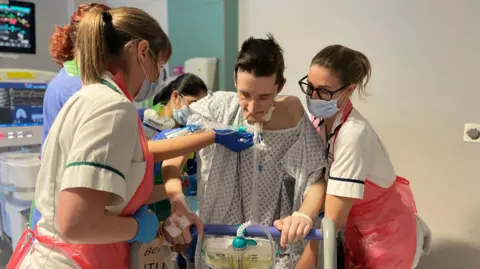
[[21, 106], [21, 119], [17, 27]]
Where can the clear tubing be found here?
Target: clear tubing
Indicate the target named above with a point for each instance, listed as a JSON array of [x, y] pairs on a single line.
[[257, 147]]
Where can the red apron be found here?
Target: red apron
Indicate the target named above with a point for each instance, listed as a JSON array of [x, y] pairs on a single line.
[[380, 232], [90, 256]]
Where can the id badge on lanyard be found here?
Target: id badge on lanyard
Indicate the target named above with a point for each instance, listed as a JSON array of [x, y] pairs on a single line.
[[330, 156], [330, 140]]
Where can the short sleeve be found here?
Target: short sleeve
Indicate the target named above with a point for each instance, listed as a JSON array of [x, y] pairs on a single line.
[[220, 107], [315, 163], [352, 161], [102, 149]]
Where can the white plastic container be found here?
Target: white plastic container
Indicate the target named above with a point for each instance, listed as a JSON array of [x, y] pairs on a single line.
[[219, 253], [20, 170]]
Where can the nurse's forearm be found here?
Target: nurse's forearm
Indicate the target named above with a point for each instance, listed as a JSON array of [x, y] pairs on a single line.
[[314, 199], [309, 256], [338, 208], [82, 219], [178, 146], [108, 228]]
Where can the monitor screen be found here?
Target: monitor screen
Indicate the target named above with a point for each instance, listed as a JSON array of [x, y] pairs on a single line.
[[21, 104], [17, 27]]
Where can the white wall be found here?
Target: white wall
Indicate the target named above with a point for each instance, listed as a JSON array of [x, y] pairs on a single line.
[[426, 64], [48, 14], [156, 8]]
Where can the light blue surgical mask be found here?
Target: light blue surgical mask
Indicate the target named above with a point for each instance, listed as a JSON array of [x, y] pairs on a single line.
[[322, 109], [181, 115], [149, 88]]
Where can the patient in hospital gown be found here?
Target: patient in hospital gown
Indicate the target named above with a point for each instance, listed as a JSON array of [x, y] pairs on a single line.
[[291, 162], [292, 159]]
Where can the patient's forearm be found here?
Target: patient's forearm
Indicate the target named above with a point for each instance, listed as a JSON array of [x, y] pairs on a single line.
[[172, 176], [178, 146], [173, 187], [314, 199]]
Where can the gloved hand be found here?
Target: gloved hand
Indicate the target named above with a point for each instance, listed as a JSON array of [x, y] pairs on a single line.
[[147, 225], [294, 227], [234, 141], [176, 228]]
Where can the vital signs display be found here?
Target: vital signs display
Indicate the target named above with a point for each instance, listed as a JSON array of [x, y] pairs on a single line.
[[17, 27]]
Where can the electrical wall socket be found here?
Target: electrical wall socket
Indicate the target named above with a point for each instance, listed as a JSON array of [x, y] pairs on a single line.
[[471, 132]]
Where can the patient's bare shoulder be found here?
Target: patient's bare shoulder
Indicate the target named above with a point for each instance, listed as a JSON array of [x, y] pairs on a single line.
[[288, 112], [293, 106]]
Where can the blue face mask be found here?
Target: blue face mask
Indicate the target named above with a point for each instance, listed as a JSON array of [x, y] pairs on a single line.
[[181, 115], [149, 88], [322, 109]]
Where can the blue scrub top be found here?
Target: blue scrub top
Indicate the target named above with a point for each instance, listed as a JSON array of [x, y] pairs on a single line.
[[59, 90]]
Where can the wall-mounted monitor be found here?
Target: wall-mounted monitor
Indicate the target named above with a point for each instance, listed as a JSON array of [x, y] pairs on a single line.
[[17, 27]]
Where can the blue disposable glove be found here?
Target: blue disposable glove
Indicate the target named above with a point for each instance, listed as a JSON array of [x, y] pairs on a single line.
[[234, 141], [147, 225]]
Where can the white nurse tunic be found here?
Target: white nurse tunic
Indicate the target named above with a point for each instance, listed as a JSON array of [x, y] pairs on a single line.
[[94, 143], [359, 154]]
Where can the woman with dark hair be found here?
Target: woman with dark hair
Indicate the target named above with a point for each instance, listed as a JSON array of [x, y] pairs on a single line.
[[173, 105], [174, 101]]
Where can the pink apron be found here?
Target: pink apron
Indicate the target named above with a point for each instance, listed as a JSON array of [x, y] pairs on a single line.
[[89, 256], [380, 232]]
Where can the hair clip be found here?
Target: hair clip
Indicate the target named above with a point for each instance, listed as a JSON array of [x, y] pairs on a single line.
[[106, 16]]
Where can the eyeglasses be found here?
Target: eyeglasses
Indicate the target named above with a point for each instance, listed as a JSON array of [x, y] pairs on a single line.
[[322, 93]]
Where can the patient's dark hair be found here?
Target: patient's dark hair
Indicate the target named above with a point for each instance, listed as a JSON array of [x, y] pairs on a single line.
[[261, 58], [187, 84]]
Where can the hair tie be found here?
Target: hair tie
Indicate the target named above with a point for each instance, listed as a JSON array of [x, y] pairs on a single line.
[[106, 16]]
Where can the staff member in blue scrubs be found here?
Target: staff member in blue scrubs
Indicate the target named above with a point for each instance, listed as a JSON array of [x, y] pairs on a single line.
[[67, 82]]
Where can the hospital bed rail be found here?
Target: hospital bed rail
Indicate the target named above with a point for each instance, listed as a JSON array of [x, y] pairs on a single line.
[[327, 234]]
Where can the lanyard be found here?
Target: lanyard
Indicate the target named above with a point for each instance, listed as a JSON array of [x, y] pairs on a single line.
[[345, 114]]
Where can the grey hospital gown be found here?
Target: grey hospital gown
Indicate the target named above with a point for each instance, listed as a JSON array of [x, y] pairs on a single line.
[[292, 160]]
